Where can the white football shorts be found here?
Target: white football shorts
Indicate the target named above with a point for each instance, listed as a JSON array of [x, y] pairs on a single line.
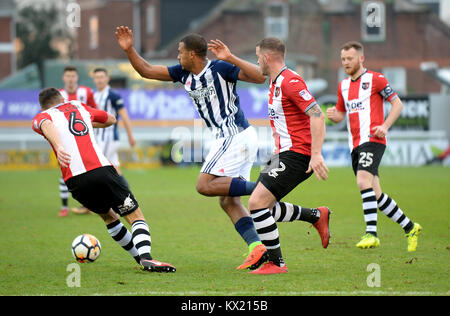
[[233, 156], [110, 149]]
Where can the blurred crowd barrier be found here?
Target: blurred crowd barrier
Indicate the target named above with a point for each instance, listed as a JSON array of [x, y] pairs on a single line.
[[169, 131]]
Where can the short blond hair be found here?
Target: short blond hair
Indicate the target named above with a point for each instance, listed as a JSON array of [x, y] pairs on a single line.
[[353, 44]]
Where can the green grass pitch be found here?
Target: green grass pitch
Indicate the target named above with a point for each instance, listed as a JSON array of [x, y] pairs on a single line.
[[194, 234]]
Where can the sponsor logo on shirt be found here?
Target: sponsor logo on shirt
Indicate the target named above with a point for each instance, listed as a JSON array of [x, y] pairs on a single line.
[[354, 106], [272, 114], [305, 95], [199, 95]]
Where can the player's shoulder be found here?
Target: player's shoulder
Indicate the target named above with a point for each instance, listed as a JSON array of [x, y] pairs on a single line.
[[71, 105], [217, 63], [76, 103], [178, 73], [115, 98], [220, 65], [40, 115], [378, 79], [292, 79], [372, 72], [376, 75], [113, 94]]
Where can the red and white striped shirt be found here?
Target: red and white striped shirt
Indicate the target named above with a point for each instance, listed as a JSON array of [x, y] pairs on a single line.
[[73, 121], [82, 93], [362, 100], [289, 100]]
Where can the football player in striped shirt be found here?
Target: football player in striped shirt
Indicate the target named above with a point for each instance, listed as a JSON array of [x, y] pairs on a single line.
[[73, 91], [111, 102], [361, 99], [90, 177], [211, 84], [298, 127]]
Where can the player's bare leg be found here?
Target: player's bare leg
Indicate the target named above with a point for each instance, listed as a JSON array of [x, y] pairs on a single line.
[[261, 198], [81, 210], [233, 207], [109, 217], [364, 179], [376, 186]]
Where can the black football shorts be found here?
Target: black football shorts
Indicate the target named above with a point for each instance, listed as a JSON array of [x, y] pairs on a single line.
[[101, 189], [367, 157], [284, 172]]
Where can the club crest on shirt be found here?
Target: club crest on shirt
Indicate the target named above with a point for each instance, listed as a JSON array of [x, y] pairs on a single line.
[[277, 92], [365, 85]]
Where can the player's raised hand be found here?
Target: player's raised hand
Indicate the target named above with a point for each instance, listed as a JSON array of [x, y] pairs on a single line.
[[317, 164], [218, 48], [124, 37]]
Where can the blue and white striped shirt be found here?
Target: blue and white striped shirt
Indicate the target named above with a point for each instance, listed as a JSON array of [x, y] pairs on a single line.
[[109, 101], [213, 92]]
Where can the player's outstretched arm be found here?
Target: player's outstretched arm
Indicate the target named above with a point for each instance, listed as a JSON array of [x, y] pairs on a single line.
[[317, 126], [125, 39], [51, 133], [248, 72]]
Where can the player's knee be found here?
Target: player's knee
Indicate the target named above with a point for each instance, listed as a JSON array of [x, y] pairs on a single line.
[[254, 203], [223, 201], [109, 217], [203, 188], [261, 201], [363, 184], [227, 202], [364, 180]]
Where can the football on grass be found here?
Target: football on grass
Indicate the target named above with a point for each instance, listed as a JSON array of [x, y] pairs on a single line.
[[86, 248]]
